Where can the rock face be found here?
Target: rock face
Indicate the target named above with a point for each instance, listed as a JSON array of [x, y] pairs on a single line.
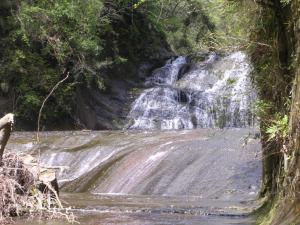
[[281, 156], [100, 110], [143, 49], [291, 167]]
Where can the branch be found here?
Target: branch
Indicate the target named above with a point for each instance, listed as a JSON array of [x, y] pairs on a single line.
[[6, 123], [43, 104], [161, 11]]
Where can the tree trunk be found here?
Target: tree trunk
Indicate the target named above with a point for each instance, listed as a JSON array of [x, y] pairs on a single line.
[[6, 123]]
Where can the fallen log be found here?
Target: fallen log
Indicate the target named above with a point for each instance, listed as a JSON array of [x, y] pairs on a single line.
[[6, 123]]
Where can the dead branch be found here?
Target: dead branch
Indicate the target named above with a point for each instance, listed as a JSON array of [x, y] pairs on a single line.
[[43, 104], [6, 123]]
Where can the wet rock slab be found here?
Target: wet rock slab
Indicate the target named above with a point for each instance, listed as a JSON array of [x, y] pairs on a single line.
[[207, 176]]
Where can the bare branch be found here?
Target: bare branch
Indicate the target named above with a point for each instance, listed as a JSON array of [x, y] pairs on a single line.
[[43, 104]]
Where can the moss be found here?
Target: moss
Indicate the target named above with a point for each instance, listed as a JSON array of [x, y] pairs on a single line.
[[279, 211], [266, 213]]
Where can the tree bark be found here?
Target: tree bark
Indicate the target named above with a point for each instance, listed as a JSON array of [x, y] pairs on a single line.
[[6, 123]]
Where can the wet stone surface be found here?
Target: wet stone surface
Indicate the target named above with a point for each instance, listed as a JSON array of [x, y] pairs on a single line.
[[204, 176]]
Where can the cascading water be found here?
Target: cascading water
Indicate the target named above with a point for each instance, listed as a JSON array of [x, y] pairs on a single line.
[[214, 93], [197, 176]]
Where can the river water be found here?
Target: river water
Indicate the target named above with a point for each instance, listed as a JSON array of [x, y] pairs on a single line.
[[173, 177], [172, 164]]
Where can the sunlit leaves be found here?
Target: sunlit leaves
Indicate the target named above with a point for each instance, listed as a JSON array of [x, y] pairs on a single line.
[[279, 128], [285, 2], [138, 4], [64, 25]]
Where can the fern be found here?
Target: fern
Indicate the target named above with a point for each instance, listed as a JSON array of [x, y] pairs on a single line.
[[279, 129]]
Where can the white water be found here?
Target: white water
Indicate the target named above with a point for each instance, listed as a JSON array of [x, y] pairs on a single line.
[[214, 93], [172, 177]]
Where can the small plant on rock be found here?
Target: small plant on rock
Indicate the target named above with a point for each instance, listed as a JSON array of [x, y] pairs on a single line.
[[279, 129]]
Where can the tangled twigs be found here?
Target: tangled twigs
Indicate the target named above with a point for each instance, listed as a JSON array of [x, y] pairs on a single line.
[[20, 193], [16, 183]]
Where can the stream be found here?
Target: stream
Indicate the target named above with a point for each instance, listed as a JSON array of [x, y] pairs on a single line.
[[189, 154]]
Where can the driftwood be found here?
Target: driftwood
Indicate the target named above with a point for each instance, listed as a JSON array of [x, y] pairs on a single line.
[[6, 123], [45, 177], [25, 186], [22, 192]]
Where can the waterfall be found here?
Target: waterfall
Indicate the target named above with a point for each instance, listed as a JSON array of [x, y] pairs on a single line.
[[159, 175], [214, 93]]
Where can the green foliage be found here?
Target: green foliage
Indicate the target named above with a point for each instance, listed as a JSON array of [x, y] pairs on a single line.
[[233, 22], [285, 2], [185, 23], [279, 128], [138, 4], [231, 81], [66, 28], [262, 108], [44, 39], [269, 53], [272, 55]]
